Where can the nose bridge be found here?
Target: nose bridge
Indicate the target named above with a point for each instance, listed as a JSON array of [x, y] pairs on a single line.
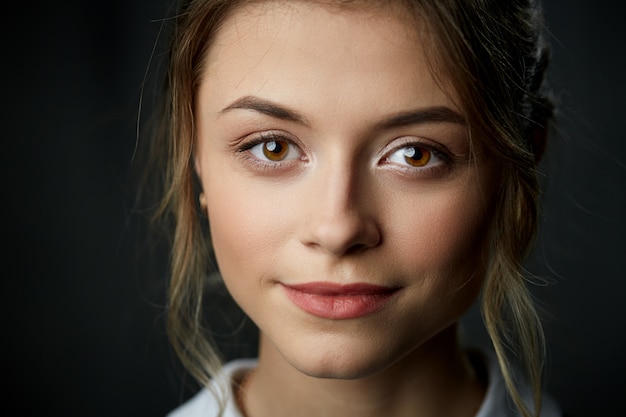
[[341, 216], [339, 188]]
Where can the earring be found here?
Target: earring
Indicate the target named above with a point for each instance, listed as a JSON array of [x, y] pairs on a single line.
[[203, 203]]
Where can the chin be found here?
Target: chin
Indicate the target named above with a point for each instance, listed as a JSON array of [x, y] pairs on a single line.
[[340, 370], [353, 359]]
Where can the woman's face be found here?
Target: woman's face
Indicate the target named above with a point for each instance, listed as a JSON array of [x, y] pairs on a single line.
[[347, 212]]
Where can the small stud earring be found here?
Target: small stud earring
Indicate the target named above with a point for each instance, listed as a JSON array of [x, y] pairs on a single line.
[[203, 203]]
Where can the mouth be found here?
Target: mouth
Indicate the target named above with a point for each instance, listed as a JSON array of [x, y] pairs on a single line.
[[339, 302]]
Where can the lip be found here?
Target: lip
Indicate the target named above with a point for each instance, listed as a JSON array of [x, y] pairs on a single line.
[[339, 302]]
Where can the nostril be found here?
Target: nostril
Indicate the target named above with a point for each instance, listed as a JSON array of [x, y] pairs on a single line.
[[357, 248], [341, 235]]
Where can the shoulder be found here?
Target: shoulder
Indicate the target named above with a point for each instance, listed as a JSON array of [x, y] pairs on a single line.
[[206, 403], [203, 403], [497, 402]]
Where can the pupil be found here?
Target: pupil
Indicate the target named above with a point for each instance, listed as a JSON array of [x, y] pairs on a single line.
[[275, 150], [412, 153], [273, 147], [416, 156]]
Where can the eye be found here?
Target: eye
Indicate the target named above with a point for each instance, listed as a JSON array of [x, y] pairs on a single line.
[[415, 156], [273, 150]]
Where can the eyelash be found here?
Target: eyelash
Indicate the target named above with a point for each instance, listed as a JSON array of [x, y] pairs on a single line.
[[444, 161], [266, 137]]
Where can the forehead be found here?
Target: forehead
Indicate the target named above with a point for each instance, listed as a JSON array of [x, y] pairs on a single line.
[[282, 49], [276, 24]]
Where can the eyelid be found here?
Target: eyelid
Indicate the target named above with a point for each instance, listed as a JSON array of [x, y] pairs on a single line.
[[264, 136], [249, 142], [444, 159], [407, 141]]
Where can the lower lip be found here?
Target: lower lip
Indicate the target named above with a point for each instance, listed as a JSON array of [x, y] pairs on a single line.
[[334, 302]]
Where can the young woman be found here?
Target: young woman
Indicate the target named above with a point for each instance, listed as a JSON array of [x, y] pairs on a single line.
[[367, 169]]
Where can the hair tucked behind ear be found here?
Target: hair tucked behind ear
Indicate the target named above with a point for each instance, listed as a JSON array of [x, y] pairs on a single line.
[[171, 165]]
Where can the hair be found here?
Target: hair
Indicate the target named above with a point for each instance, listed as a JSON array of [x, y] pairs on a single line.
[[494, 55]]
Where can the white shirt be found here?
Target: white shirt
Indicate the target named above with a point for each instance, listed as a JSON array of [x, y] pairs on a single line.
[[496, 403]]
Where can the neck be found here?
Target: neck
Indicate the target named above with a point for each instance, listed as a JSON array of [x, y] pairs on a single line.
[[421, 383]]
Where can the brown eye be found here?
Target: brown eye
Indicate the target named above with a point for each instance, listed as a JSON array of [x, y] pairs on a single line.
[[275, 150], [415, 156]]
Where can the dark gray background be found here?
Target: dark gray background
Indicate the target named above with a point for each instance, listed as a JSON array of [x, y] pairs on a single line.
[[82, 328]]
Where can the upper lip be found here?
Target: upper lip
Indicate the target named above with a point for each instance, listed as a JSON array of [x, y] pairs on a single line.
[[334, 289]]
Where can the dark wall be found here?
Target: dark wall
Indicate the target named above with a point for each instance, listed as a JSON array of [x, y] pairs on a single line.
[[583, 237], [83, 331]]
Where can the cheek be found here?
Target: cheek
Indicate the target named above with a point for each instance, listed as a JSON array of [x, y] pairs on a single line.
[[445, 256], [247, 228], [234, 225], [445, 237]]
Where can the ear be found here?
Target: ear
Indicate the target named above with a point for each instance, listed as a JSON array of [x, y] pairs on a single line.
[[203, 202], [197, 170]]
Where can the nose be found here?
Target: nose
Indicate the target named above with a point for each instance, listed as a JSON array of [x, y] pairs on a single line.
[[341, 215]]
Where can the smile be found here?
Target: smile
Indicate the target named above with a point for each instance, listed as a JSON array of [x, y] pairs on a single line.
[[339, 302]]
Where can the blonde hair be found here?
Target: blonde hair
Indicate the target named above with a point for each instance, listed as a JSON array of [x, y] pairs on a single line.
[[495, 57]]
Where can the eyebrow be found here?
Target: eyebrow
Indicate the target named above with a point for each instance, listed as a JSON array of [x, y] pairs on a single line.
[[435, 114], [266, 107]]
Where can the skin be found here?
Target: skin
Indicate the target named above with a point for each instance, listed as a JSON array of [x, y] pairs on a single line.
[[343, 206]]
